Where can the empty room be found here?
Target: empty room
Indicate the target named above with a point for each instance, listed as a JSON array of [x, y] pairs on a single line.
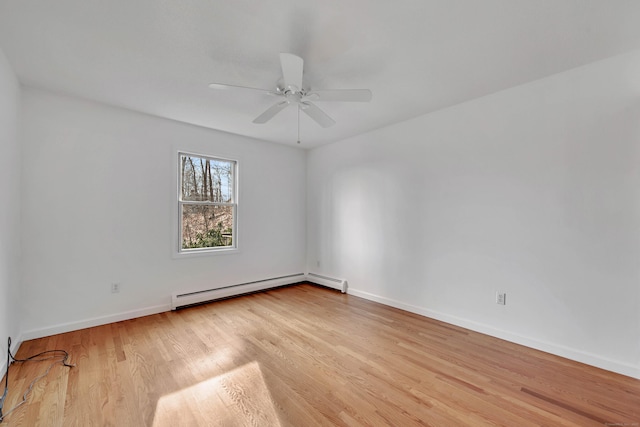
[[337, 213]]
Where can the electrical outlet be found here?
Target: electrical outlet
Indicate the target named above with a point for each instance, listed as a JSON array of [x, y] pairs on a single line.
[[115, 288], [501, 298], [318, 263]]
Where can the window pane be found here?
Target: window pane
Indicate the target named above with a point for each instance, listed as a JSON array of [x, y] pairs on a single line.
[[206, 226], [206, 179]]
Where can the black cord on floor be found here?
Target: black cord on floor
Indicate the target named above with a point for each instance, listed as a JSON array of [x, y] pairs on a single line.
[[61, 356], [6, 381]]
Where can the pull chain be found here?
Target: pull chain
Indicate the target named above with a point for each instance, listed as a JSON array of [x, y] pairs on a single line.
[[298, 124]]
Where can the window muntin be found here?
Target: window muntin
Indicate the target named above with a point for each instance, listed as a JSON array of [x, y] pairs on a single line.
[[207, 203]]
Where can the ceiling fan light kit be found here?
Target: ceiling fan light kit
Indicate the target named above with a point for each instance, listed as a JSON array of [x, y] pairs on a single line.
[[292, 89]]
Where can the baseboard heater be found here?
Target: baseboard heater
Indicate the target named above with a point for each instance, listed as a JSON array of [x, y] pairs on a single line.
[[330, 282], [199, 297]]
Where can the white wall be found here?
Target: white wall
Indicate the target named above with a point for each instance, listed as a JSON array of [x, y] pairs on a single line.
[[534, 191], [97, 208], [10, 209]]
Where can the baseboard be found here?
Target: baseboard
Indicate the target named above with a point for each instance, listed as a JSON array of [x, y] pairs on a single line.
[[327, 281], [94, 321], [186, 299], [548, 347]]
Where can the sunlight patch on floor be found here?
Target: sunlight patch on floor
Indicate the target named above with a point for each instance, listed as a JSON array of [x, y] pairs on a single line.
[[239, 397]]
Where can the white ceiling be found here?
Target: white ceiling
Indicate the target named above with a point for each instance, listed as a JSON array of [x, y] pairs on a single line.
[[417, 56]]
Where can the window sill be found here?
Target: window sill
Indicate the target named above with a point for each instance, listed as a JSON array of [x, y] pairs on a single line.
[[204, 252]]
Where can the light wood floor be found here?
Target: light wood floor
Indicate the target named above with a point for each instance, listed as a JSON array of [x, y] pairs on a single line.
[[307, 356]]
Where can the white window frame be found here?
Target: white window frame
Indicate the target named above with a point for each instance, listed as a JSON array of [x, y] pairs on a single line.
[[178, 251]]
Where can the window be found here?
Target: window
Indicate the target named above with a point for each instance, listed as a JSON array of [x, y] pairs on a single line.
[[207, 203]]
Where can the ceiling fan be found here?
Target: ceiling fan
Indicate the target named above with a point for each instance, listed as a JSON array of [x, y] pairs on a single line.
[[294, 92]]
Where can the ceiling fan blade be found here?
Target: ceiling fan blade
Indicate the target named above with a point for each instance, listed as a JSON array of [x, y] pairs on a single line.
[[292, 67], [270, 112], [317, 114], [221, 86], [345, 95]]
